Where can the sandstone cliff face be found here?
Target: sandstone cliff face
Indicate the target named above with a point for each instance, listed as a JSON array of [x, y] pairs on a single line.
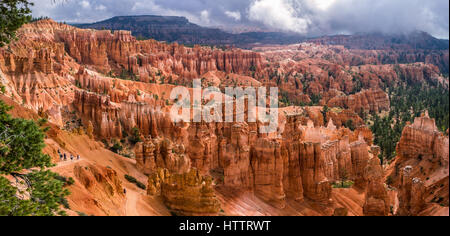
[[377, 202], [420, 171], [301, 165], [315, 184], [360, 159], [161, 153], [187, 194], [36, 75], [423, 138], [234, 155], [96, 108], [267, 166], [291, 152], [115, 106], [39, 70], [341, 118], [367, 101], [411, 195], [106, 52]]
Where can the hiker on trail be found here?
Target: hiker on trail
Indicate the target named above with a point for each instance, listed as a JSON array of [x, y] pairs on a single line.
[[125, 191], [71, 157], [78, 157], [65, 157], [59, 152], [61, 157]]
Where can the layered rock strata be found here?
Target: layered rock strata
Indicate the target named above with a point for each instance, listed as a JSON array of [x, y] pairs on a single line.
[[187, 194]]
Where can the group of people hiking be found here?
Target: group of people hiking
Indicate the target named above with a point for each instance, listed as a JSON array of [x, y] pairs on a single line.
[[64, 156]]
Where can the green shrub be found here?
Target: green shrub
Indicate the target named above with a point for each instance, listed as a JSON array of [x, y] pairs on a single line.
[[141, 185], [81, 213], [345, 184], [70, 181], [133, 180], [65, 203], [2, 89], [116, 148], [349, 124], [67, 181], [130, 179], [135, 136], [389, 180]]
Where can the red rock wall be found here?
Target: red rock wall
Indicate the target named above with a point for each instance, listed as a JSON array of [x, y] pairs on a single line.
[[411, 194], [377, 202], [367, 101], [187, 194], [421, 167], [360, 158]]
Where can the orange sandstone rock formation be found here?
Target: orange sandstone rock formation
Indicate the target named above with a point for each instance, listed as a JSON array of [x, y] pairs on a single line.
[[161, 153], [187, 194], [411, 195], [367, 101], [360, 159], [377, 202], [267, 169], [420, 172]]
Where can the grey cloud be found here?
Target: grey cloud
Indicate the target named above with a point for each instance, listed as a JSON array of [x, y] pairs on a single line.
[[389, 16], [309, 17]]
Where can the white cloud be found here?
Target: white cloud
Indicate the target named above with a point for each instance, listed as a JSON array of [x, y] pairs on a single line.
[[204, 16], [85, 4], [100, 7], [312, 17], [236, 15], [322, 4], [279, 14]]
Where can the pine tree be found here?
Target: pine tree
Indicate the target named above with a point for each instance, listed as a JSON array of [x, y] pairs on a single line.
[[135, 136], [14, 13], [21, 144]]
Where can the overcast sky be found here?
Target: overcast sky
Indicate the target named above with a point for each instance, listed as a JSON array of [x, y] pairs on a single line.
[[309, 17]]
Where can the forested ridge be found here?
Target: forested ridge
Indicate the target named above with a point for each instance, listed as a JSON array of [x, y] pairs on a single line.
[[408, 102]]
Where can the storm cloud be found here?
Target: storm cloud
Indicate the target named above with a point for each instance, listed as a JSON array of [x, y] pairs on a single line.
[[309, 17]]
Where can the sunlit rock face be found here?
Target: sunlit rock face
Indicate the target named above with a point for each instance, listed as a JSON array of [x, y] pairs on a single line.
[[161, 153], [423, 138], [367, 101], [377, 202], [411, 194], [188, 194], [421, 168]]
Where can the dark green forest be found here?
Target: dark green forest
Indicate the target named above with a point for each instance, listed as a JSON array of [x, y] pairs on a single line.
[[407, 103]]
